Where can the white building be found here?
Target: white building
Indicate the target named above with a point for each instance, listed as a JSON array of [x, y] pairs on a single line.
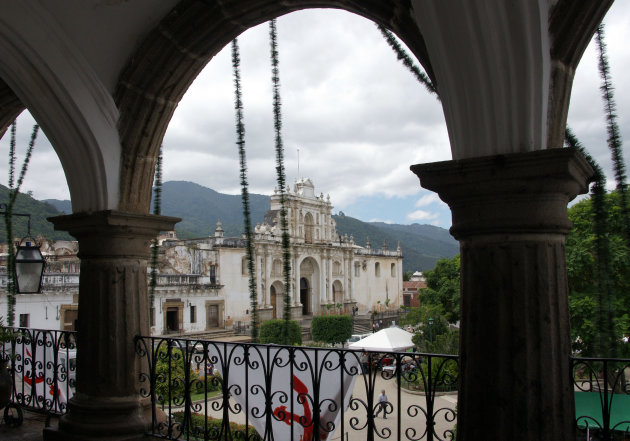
[[203, 284]]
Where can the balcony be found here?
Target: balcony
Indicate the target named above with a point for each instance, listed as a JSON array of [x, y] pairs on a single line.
[[207, 390]]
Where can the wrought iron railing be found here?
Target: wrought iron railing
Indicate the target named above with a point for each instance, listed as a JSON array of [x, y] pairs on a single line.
[[602, 397], [43, 369], [210, 390], [216, 391]]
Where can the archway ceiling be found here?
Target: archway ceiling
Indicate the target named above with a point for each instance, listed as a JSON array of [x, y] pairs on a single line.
[[121, 39]]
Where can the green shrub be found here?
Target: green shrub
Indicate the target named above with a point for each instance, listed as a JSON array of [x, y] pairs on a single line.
[[212, 384], [166, 392], [331, 328], [197, 423], [272, 331]]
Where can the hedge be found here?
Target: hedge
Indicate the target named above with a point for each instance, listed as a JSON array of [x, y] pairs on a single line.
[[197, 426], [331, 328], [271, 331]]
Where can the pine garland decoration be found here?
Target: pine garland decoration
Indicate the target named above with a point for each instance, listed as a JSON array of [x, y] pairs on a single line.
[[8, 222], [614, 135], [607, 344], [402, 55], [240, 142], [157, 210], [277, 122]]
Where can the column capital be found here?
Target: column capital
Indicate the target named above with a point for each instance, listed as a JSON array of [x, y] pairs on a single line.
[[95, 231], [513, 193]]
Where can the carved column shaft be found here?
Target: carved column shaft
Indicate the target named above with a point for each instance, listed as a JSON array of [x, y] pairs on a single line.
[[510, 216], [114, 249]]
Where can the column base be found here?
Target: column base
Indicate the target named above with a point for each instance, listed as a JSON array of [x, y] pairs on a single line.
[[102, 419], [296, 312], [265, 313]]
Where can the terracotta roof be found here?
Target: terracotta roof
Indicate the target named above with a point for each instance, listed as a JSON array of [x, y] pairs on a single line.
[[414, 286]]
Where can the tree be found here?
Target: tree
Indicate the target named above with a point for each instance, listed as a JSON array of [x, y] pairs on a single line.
[[598, 306], [407, 276], [281, 332], [429, 322], [331, 328], [443, 287]]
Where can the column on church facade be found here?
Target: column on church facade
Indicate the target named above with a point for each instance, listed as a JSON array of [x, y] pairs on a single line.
[[510, 216], [295, 291], [329, 286], [114, 248], [348, 277], [266, 276], [322, 278]]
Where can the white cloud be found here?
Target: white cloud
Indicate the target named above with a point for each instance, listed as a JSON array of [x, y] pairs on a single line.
[[421, 215], [376, 219], [427, 199]]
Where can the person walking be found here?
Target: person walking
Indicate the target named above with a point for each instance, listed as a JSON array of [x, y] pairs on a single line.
[[382, 405]]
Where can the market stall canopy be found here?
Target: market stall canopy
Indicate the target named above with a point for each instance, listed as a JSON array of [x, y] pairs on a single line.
[[385, 340]]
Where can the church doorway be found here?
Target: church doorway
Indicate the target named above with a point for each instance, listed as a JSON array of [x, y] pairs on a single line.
[[337, 292], [305, 297], [172, 324], [273, 300]]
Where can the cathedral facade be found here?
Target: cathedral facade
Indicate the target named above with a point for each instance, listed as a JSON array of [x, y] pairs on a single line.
[[203, 284]]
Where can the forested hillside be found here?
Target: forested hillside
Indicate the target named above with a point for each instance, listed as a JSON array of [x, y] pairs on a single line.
[[201, 207], [38, 210]]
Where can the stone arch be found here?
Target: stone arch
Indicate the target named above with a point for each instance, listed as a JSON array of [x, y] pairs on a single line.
[[171, 57], [276, 298], [79, 115], [309, 286]]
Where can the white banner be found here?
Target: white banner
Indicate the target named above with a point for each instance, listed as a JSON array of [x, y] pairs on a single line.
[[315, 383]]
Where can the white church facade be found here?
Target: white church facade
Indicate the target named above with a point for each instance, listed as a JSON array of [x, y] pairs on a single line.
[[203, 284]]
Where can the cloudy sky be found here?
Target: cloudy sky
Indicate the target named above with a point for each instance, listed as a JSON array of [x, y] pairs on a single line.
[[356, 116]]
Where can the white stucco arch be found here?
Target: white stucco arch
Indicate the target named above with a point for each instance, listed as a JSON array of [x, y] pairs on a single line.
[[338, 294], [63, 93], [309, 270]]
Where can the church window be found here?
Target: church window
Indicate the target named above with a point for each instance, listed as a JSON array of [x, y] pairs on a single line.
[[244, 270], [377, 269], [276, 269], [336, 268], [357, 269], [308, 228], [393, 272]]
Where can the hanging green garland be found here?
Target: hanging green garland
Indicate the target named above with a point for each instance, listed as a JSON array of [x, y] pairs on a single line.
[[240, 142], [606, 345], [157, 209], [614, 136], [281, 180], [13, 194], [402, 55]]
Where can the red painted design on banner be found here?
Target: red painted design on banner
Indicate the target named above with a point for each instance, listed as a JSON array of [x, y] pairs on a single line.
[[285, 416]]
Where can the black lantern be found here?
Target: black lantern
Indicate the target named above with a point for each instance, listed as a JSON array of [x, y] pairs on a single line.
[[29, 267]]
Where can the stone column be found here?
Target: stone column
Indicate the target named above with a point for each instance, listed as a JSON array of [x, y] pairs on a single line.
[[114, 248], [510, 216]]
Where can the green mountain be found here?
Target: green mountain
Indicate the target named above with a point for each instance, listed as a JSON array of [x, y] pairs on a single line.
[[38, 210], [201, 207], [422, 245]]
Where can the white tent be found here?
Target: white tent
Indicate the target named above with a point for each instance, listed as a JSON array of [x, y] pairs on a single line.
[[385, 340]]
